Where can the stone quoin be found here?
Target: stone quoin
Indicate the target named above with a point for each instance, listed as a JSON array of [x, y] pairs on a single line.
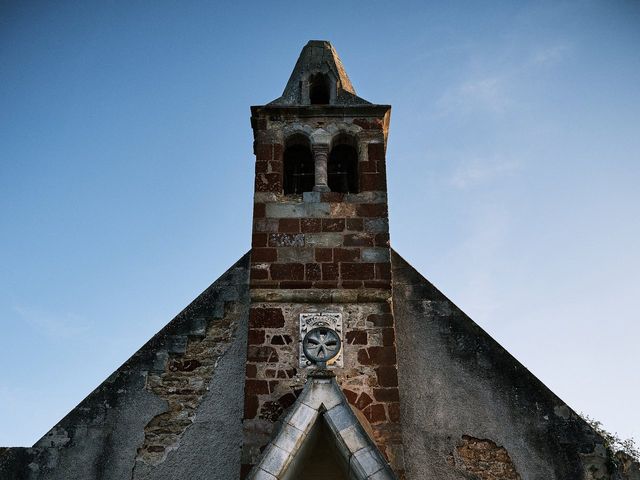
[[321, 353]]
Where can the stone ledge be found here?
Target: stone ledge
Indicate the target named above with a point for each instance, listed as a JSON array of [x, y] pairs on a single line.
[[366, 295]]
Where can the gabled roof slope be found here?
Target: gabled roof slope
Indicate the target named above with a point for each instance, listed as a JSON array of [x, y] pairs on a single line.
[[153, 417], [469, 407], [174, 409]]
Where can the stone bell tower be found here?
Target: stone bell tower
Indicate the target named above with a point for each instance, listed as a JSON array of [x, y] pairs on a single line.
[[320, 254]]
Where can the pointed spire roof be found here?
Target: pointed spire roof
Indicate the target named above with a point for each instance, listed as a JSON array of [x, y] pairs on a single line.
[[322, 401], [319, 57]]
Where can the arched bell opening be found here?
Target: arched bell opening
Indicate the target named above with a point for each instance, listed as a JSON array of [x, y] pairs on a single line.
[[319, 89], [298, 166], [342, 167]]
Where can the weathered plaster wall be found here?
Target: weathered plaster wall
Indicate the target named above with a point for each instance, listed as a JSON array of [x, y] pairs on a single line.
[[470, 410], [173, 410]]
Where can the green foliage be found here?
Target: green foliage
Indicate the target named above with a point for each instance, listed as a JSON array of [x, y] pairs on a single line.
[[612, 441]]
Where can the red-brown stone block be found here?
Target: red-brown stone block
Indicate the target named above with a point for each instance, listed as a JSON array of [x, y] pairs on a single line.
[[377, 356], [266, 318], [256, 387], [252, 370], [289, 225], [372, 209], [375, 151], [262, 167], [264, 254], [324, 254], [268, 182], [357, 271], [387, 376], [333, 197], [373, 182], [346, 254], [330, 271], [363, 400], [381, 240], [255, 337], [313, 271], [287, 271], [351, 396], [275, 167], [310, 225], [381, 320], [259, 123], [355, 224], [259, 210], [259, 274], [367, 167], [386, 394], [383, 271], [250, 406], [375, 413], [388, 336], [356, 337], [278, 150], [263, 151], [333, 224], [259, 240], [296, 284]]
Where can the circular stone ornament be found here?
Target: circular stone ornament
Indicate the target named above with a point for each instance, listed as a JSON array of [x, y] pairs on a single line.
[[321, 344]]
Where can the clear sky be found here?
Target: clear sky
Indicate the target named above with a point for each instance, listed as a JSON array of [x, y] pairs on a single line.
[[126, 174]]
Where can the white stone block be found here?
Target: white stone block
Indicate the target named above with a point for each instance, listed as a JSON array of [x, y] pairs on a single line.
[[339, 417], [289, 438], [260, 474], [366, 462], [354, 438], [275, 460], [303, 417], [323, 394], [382, 475]]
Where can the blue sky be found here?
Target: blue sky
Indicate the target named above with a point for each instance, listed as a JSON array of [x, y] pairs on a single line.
[[126, 175]]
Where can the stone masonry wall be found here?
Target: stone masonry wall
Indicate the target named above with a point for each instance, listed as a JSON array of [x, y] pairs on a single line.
[[321, 252], [369, 377], [320, 240], [331, 240]]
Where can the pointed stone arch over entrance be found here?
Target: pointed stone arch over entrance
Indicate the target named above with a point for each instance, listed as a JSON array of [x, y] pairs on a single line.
[[322, 438]]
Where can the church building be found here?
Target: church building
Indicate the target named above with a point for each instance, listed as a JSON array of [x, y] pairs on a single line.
[[321, 353]]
